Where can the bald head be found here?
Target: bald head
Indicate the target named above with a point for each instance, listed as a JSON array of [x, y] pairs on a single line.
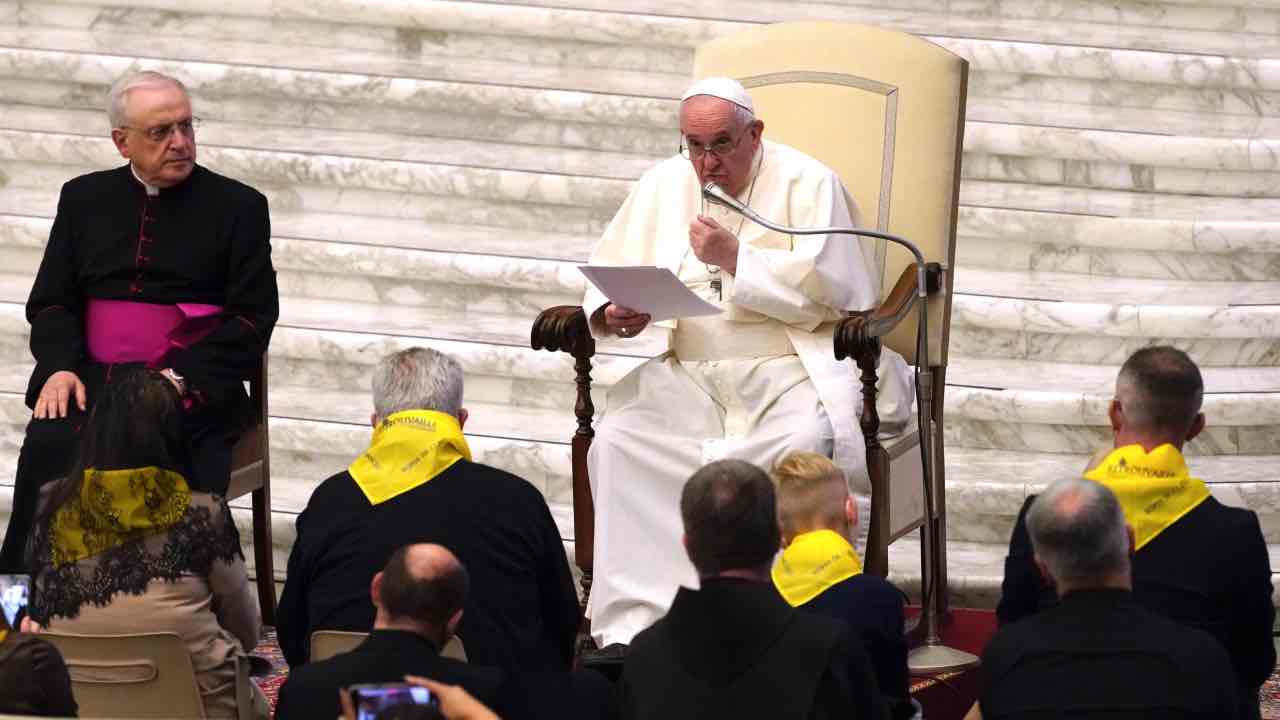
[[422, 583], [1079, 534], [1159, 392]]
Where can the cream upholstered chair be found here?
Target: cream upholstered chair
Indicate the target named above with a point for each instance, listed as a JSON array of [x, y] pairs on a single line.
[[327, 643], [138, 676], [885, 110]]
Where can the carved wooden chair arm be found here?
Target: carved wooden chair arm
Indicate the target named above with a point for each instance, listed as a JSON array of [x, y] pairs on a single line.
[[882, 319], [563, 327]]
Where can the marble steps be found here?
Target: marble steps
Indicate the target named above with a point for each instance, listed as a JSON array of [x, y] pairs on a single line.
[[535, 39], [1001, 389], [994, 151], [308, 182], [1073, 287], [989, 238], [425, 294], [1077, 113], [1106, 78], [678, 24], [1129, 23], [1122, 27]]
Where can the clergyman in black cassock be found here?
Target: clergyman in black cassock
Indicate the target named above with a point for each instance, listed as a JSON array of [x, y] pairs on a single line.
[[121, 249]]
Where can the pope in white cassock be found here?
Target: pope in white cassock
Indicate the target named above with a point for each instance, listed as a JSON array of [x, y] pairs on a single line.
[[754, 382]]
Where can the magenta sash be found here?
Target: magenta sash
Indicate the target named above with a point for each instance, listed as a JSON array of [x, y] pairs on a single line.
[[124, 331]]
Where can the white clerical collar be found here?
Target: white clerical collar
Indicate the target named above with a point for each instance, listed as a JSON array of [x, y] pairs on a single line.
[[152, 190]]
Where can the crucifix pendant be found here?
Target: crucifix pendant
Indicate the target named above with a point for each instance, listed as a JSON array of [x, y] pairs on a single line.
[[715, 282]]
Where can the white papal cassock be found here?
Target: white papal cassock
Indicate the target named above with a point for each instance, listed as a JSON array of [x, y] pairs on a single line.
[[752, 383]]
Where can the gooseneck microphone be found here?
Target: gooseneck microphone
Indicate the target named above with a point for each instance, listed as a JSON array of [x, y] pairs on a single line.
[[717, 194]]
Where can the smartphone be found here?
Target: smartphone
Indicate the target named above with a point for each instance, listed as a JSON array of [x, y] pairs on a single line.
[[13, 597], [369, 700]]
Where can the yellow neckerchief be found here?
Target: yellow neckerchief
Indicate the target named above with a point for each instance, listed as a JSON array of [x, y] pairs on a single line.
[[115, 507], [3, 634], [813, 562], [1155, 489], [408, 449]]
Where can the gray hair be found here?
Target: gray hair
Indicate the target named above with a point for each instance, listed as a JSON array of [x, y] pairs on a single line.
[[742, 116], [417, 379], [1078, 529], [118, 97]]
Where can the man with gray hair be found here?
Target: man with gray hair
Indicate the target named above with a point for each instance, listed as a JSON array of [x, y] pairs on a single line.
[[1099, 653], [159, 262], [417, 483], [1196, 561]]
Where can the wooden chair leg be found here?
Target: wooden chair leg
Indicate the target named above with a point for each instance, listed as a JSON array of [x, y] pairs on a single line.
[[263, 556]]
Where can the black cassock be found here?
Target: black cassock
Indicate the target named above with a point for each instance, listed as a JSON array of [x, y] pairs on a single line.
[[205, 240]]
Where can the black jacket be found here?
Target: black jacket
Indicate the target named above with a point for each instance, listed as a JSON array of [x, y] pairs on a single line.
[[522, 610], [386, 656], [736, 649], [1209, 570], [34, 678], [204, 240], [1099, 654], [873, 609]]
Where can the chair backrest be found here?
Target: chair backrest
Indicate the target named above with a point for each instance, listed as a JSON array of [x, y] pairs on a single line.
[[137, 676], [885, 110], [327, 643]]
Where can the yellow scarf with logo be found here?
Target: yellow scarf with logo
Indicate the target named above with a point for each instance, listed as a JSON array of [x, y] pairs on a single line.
[[115, 507], [408, 449], [813, 562], [1155, 489]]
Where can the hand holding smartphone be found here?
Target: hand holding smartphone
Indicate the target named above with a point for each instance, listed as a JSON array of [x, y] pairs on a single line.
[[375, 701]]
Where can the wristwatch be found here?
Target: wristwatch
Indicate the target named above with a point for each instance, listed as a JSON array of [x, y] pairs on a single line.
[[176, 379]]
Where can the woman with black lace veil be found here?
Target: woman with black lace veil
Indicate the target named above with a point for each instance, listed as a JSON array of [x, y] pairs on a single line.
[[123, 545]]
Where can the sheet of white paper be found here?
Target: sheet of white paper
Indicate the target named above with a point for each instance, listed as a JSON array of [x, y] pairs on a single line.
[[653, 290]]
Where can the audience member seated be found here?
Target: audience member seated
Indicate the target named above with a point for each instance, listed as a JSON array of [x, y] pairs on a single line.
[[417, 483], [1098, 653], [125, 546], [419, 598], [33, 677], [820, 571], [735, 648], [1197, 561]]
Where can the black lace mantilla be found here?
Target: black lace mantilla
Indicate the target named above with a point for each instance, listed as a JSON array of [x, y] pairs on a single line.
[[205, 534]]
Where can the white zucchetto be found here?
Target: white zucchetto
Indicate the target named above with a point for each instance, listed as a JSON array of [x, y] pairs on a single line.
[[724, 88]]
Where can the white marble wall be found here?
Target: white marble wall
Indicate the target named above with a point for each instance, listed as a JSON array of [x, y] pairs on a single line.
[[436, 169]]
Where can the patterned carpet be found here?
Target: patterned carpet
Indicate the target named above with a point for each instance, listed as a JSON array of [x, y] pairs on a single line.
[[270, 683], [1270, 696]]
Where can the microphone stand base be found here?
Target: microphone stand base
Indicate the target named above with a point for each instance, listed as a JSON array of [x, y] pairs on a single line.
[[938, 659]]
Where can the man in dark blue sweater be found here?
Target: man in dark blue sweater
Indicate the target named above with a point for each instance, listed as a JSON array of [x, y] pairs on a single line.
[[819, 571]]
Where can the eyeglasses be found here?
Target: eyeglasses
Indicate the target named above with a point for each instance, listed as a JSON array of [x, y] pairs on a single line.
[[160, 133], [692, 149]]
